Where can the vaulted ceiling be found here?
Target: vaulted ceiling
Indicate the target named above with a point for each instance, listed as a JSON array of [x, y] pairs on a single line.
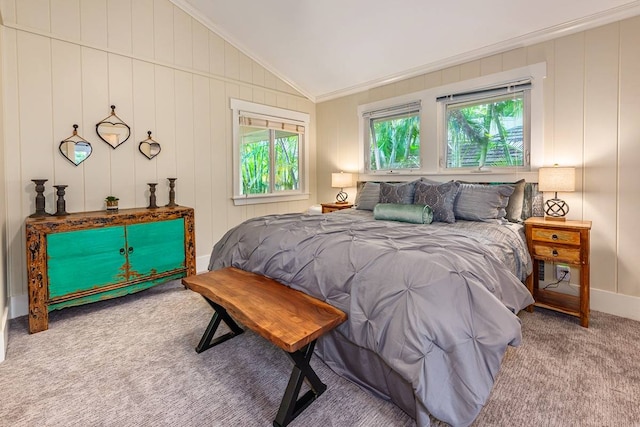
[[329, 48]]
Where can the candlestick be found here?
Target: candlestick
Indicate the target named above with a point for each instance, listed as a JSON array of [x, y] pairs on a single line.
[[152, 195], [40, 212], [172, 193], [61, 204]]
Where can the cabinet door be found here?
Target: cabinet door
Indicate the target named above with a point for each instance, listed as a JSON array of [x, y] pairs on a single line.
[[155, 247], [85, 259]]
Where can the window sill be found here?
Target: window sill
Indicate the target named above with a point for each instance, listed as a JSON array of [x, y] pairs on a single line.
[[268, 198]]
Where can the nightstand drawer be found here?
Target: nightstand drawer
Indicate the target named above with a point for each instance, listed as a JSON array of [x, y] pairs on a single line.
[[567, 237], [569, 255]]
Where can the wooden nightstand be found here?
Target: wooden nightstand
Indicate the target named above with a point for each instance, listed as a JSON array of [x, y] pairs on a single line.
[[330, 207], [565, 242]]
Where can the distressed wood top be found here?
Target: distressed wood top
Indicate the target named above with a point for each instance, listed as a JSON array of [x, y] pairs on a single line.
[[570, 223], [288, 318], [92, 219]]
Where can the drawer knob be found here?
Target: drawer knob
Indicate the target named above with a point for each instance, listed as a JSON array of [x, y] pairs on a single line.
[[555, 252], [121, 251], [554, 237]]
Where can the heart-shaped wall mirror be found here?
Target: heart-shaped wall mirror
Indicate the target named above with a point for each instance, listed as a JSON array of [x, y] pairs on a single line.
[[149, 147], [75, 148], [113, 130]]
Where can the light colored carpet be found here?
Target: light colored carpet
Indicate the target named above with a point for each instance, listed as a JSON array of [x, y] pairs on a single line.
[[131, 362]]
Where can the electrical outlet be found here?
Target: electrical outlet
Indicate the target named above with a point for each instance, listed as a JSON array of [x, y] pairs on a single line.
[[563, 272]]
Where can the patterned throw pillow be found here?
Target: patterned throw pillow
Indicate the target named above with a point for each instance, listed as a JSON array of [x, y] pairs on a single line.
[[397, 193], [440, 197]]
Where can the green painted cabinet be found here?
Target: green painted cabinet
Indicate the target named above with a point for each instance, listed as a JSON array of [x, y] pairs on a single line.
[[83, 258]]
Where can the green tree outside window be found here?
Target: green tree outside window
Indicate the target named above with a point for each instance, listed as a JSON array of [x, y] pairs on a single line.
[[395, 142], [269, 156], [486, 133]]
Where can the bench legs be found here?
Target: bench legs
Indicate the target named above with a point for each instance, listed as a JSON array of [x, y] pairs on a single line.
[[291, 406], [207, 341]]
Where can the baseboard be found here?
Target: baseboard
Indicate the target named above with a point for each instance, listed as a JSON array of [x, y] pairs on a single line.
[[18, 306], [202, 263], [4, 332], [616, 304]]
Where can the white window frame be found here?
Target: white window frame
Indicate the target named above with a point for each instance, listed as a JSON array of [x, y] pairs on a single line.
[[240, 107], [431, 124]]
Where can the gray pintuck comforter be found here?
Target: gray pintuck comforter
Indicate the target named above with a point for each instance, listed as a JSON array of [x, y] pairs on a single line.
[[435, 303]]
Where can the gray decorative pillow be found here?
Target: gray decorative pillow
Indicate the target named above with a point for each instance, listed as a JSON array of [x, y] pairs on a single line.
[[368, 196], [416, 214], [479, 202], [440, 197], [397, 193], [516, 202]]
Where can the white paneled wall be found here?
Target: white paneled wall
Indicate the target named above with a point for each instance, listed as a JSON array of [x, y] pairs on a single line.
[[66, 61], [591, 120], [4, 305]]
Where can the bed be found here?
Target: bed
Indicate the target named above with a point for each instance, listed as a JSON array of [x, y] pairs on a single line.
[[432, 307]]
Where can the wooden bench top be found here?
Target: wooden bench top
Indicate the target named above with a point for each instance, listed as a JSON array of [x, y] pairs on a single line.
[[288, 318]]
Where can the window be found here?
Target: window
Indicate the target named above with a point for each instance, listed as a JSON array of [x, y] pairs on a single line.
[[393, 136], [487, 129], [269, 149], [491, 124]]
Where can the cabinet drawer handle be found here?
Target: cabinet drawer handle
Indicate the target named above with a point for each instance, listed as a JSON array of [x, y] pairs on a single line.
[[555, 252], [554, 237], [130, 250], [121, 251]]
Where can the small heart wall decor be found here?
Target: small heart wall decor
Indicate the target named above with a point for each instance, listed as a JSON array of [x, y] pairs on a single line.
[[113, 130], [75, 148], [149, 147]]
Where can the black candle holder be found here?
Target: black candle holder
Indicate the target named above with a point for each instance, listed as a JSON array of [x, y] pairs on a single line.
[[61, 204], [152, 195], [172, 193], [40, 212]]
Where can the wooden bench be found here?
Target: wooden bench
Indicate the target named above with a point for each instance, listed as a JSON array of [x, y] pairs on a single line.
[[286, 317]]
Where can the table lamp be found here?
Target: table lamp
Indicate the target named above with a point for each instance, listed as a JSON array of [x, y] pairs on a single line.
[[556, 179], [341, 180]]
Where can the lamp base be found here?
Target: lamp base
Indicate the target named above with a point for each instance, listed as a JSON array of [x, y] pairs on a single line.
[[341, 197], [555, 218], [556, 209]]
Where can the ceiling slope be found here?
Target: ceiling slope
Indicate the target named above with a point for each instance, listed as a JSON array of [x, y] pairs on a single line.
[[331, 48]]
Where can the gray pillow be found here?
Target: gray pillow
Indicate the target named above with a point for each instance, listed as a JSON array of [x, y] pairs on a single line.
[[516, 202], [416, 214], [368, 196], [440, 197], [397, 193], [479, 202]]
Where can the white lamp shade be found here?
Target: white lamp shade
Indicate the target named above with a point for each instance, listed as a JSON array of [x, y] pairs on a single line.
[[557, 179], [341, 180]]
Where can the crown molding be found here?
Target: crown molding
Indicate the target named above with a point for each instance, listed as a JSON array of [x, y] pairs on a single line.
[[601, 18], [592, 21]]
